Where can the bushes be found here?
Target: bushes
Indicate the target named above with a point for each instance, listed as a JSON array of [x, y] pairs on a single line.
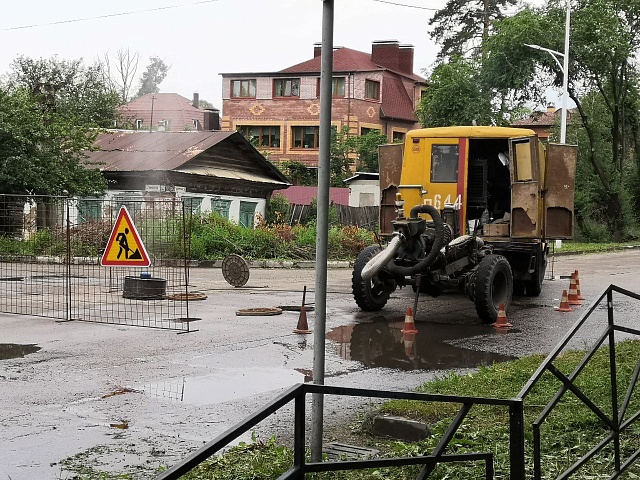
[[216, 237]]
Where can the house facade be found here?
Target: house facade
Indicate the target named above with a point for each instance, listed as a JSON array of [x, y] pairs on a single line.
[[280, 111], [209, 171], [167, 112]]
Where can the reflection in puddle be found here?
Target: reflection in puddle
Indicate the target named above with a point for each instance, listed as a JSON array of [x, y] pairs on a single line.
[[14, 350], [225, 385], [383, 344]]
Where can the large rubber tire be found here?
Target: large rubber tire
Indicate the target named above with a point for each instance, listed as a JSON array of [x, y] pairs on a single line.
[[493, 285], [370, 295], [534, 286]]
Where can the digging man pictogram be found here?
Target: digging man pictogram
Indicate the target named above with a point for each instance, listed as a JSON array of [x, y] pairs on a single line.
[[121, 238]]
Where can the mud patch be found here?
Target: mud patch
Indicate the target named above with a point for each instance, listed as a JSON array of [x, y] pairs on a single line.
[[14, 350]]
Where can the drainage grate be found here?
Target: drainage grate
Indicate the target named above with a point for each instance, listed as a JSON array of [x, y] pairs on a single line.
[[341, 451]]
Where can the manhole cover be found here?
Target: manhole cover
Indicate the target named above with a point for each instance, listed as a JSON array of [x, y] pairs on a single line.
[[264, 311], [187, 296], [235, 270]]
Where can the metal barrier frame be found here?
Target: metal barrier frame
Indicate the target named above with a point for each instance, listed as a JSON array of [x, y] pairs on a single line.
[[616, 425], [300, 467]]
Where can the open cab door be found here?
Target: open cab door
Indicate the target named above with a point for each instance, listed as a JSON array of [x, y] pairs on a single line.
[[525, 188], [560, 186]]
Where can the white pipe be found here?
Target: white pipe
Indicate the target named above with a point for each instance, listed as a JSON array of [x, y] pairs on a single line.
[[378, 262]]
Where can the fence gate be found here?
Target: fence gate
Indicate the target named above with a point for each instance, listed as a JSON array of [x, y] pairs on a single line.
[[50, 251]]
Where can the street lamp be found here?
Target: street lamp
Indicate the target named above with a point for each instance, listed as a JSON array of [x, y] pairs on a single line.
[[564, 67]]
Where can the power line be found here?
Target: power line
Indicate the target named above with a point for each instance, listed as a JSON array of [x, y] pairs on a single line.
[[405, 5], [106, 16]]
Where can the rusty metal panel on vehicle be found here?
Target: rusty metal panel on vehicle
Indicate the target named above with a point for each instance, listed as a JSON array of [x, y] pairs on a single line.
[[390, 159], [560, 186], [524, 211]]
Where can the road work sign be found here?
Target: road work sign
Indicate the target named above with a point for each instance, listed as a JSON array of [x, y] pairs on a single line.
[[125, 247]]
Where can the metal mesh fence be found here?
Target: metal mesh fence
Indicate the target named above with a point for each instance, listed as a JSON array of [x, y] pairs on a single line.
[[50, 251]]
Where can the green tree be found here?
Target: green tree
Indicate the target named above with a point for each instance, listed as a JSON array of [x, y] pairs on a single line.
[[67, 87], [454, 96], [463, 26], [605, 34], [298, 173], [367, 150], [342, 155], [153, 76], [41, 151]]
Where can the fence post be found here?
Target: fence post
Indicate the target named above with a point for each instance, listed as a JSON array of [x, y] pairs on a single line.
[[67, 200], [516, 439]]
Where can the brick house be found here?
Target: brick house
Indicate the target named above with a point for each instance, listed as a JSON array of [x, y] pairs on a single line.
[[281, 110], [167, 112], [542, 122]]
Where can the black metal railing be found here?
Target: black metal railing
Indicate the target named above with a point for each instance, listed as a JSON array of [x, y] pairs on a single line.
[[616, 424], [300, 467]]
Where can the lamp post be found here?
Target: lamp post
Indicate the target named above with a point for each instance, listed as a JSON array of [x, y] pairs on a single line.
[[564, 67]]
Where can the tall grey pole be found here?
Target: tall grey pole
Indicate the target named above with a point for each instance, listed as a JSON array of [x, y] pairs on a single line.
[[322, 229], [565, 76]]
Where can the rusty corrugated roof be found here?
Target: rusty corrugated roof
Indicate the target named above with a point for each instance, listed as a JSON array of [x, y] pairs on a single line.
[[189, 152]]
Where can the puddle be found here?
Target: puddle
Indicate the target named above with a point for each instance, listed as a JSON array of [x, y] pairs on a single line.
[[14, 350], [223, 386], [381, 343]]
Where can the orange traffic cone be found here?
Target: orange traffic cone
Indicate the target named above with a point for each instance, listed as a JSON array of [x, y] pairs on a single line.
[[408, 339], [501, 321], [573, 292], [577, 275], [564, 303], [303, 326], [409, 324]]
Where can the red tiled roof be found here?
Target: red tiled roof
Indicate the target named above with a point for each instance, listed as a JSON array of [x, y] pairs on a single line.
[[346, 60], [166, 106], [396, 102], [541, 119], [299, 195]]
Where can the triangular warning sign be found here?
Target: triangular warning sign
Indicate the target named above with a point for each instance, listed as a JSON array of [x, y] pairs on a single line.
[[125, 247]]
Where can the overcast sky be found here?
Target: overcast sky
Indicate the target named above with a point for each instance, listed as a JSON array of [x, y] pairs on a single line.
[[201, 40]]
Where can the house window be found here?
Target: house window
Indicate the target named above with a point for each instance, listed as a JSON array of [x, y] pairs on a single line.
[[133, 204], [372, 90], [221, 207], [365, 130], [139, 124], [337, 87], [305, 137], [192, 205], [247, 214], [196, 124], [243, 88], [398, 137], [89, 210], [286, 87], [261, 136], [444, 163]]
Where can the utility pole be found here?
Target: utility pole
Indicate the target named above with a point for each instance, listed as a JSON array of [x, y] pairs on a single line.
[[322, 231], [153, 99]]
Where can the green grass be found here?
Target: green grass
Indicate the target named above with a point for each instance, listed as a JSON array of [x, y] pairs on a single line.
[[583, 247], [569, 432]]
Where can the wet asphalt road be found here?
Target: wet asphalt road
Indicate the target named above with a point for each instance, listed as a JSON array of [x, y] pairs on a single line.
[[59, 400]]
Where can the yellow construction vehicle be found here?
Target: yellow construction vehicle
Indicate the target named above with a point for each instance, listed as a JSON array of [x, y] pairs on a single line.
[[468, 208]]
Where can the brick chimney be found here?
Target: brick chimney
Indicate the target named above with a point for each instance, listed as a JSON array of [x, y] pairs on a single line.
[[196, 100], [386, 53], [405, 64], [317, 49]]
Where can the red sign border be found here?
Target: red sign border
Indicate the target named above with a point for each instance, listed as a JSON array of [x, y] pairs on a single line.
[[144, 262]]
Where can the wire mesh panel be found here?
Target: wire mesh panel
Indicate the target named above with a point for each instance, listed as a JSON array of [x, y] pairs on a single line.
[[50, 252], [154, 296], [33, 274]]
